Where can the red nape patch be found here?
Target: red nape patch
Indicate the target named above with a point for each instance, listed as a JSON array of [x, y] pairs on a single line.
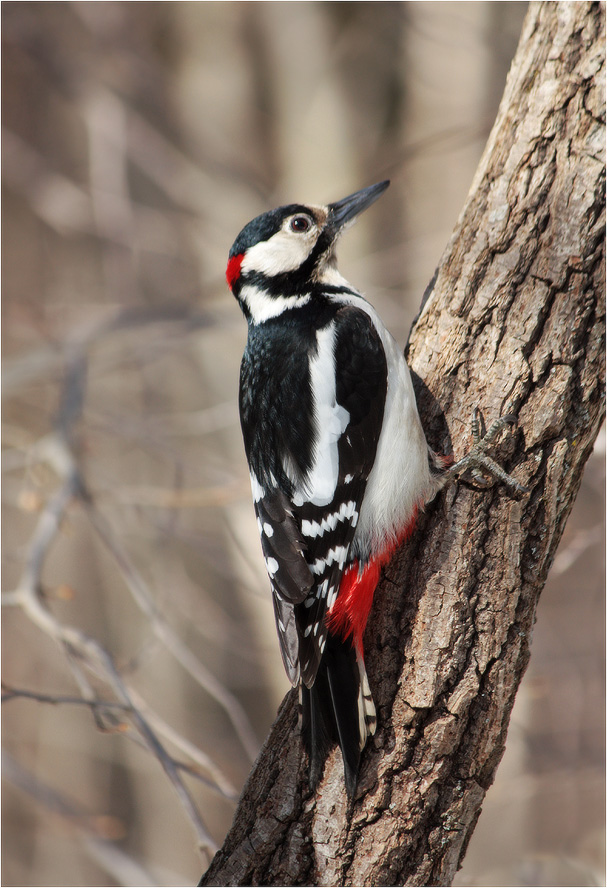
[[349, 615], [233, 269]]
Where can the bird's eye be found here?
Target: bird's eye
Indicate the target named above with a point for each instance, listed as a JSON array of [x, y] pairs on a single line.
[[300, 224]]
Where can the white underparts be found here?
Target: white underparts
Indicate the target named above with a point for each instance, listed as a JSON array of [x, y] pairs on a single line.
[[400, 480]]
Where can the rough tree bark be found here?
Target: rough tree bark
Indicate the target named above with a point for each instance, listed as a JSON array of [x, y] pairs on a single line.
[[514, 322]]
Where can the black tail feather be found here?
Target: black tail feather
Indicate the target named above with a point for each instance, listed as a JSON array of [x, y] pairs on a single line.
[[316, 727], [330, 712]]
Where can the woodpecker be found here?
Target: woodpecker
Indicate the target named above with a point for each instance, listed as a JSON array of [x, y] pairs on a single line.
[[337, 455]]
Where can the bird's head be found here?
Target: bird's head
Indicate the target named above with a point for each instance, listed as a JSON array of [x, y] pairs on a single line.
[[279, 255]]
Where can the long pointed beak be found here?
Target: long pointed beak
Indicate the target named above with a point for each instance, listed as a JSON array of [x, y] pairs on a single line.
[[346, 209]]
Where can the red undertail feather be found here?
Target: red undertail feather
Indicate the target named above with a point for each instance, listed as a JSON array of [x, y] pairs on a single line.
[[348, 616]]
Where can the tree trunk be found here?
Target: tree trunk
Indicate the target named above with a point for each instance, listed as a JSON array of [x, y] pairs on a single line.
[[513, 322]]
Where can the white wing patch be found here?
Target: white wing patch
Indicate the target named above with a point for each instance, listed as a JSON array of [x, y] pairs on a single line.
[[330, 419]]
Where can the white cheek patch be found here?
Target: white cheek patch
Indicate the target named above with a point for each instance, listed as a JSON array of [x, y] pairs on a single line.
[[283, 252]]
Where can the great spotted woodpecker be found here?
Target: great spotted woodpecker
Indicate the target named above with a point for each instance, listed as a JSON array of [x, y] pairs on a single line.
[[338, 459]]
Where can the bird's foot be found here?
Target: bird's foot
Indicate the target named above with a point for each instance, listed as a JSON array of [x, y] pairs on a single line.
[[478, 463]]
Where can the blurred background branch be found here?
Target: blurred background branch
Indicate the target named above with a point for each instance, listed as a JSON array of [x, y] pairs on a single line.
[[137, 140]]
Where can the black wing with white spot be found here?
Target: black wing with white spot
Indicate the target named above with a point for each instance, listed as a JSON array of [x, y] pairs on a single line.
[[283, 546], [307, 523], [328, 532], [290, 575]]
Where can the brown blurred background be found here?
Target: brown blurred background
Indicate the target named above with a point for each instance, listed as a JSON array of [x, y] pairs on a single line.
[[138, 138]]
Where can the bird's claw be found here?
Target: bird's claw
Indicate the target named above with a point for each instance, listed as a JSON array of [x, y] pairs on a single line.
[[477, 462]]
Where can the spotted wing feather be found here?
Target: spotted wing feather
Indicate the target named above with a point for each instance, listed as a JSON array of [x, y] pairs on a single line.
[[290, 575], [308, 546], [328, 553], [361, 384], [283, 547], [287, 635]]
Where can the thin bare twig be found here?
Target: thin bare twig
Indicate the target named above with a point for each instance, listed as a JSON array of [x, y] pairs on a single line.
[[112, 859], [85, 655], [197, 755], [173, 643], [10, 693]]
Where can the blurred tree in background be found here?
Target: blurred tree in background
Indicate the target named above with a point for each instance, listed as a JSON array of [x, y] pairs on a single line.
[[138, 138]]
